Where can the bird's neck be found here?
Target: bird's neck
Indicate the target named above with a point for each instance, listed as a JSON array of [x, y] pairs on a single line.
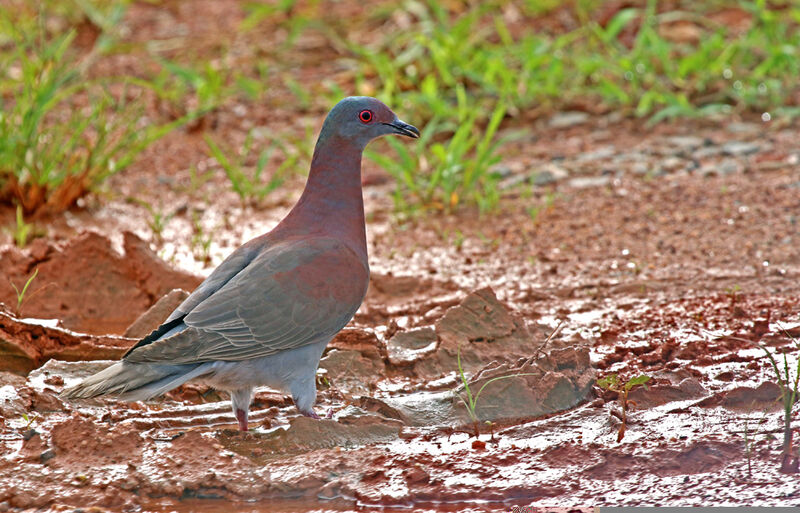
[[332, 202]]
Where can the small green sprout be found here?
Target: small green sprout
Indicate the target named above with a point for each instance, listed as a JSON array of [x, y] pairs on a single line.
[[29, 420], [470, 400], [613, 383], [789, 389], [22, 231], [249, 186], [21, 294]]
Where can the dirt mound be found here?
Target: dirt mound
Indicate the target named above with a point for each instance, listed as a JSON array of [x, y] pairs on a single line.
[[86, 284], [24, 346]]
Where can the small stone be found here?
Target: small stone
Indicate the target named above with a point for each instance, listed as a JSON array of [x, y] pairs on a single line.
[[544, 178], [598, 154], [726, 167], [502, 171], [737, 148], [708, 151], [240, 110], [687, 142], [640, 168], [671, 163], [408, 346], [583, 182], [729, 167], [742, 128], [513, 181], [568, 119], [350, 371], [549, 174], [47, 455], [633, 156]]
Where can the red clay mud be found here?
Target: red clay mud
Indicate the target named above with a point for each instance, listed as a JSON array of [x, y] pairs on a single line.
[[24, 346], [86, 284]]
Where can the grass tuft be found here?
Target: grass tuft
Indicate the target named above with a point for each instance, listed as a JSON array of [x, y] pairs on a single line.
[[61, 135]]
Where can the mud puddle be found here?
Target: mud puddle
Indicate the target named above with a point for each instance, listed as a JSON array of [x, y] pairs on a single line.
[[400, 436], [679, 277]]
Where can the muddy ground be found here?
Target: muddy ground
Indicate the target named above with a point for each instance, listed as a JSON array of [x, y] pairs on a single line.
[[657, 261], [668, 250]]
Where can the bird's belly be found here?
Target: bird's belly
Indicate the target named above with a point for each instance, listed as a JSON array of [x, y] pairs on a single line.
[[277, 371]]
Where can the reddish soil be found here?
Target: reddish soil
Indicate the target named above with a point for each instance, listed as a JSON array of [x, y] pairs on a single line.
[[670, 251], [120, 286], [679, 278]]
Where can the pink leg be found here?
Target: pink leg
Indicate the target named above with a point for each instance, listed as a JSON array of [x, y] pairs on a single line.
[[241, 416], [311, 414]]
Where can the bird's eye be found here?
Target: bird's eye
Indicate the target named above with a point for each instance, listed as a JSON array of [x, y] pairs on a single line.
[[365, 116]]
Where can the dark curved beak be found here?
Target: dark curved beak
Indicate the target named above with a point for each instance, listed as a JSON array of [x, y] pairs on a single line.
[[403, 128]]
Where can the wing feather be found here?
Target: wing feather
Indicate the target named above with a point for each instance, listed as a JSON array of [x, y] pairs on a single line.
[[292, 294]]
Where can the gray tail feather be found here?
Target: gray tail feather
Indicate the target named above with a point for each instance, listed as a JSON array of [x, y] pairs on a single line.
[[135, 381]]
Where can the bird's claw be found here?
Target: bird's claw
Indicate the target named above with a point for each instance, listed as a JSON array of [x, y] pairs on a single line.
[[241, 416]]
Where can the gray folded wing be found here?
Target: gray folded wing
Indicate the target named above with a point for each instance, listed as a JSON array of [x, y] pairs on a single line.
[[229, 268], [294, 293]]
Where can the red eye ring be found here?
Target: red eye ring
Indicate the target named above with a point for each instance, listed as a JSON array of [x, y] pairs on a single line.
[[365, 116]]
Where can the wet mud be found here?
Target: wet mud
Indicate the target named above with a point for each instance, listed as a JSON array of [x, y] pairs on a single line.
[[86, 283], [399, 433], [670, 252]]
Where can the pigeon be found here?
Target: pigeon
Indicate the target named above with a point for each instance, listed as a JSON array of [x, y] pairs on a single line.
[[266, 314]]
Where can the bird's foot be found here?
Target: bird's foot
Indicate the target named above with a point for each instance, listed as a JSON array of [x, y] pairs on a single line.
[[241, 416], [310, 413]]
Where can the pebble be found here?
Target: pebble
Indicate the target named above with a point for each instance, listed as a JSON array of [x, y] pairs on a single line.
[[706, 152], [688, 142], [583, 182], [512, 181], [740, 148], [550, 174], [742, 128], [671, 163], [636, 156], [726, 167], [730, 166], [502, 170], [568, 119], [598, 154], [47, 455]]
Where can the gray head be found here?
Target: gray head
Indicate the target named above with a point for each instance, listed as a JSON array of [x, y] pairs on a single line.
[[362, 119]]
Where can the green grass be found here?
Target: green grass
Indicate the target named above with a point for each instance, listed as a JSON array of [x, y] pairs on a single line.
[[788, 382], [613, 383], [61, 134], [194, 90], [469, 399], [464, 72], [654, 76], [21, 231], [426, 71], [249, 182], [200, 242], [21, 293], [442, 175]]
